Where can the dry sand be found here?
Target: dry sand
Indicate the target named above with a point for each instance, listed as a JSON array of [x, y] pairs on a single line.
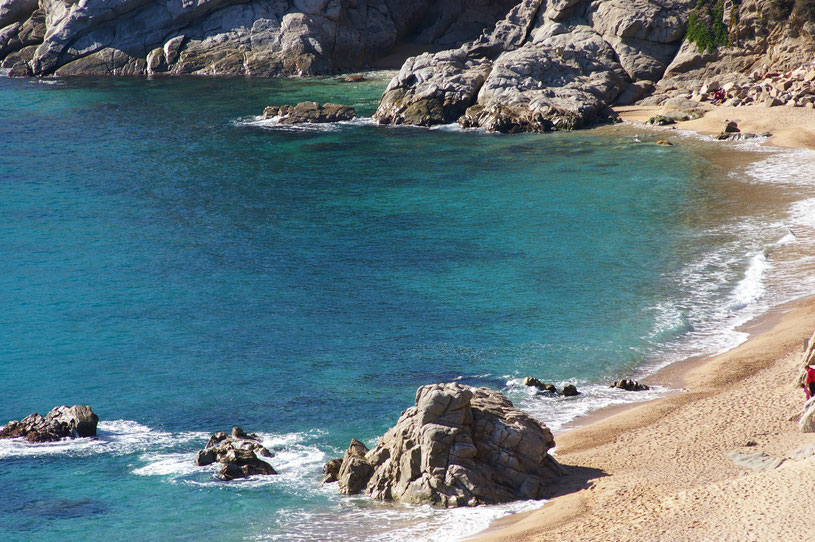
[[660, 471]]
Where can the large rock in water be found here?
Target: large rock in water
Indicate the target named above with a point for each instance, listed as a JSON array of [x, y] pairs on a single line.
[[309, 112], [237, 453], [548, 65], [459, 446], [61, 422]]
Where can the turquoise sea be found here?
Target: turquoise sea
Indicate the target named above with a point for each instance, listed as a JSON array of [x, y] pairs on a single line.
[[183, 267]]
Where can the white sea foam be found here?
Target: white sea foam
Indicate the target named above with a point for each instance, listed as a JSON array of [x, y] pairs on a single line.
[[751, 288], [296, 458], [788, 166], [361, 519], [167, 464], [802, 214], [274, 124], [118, 437], [557, 412], [753, 271]]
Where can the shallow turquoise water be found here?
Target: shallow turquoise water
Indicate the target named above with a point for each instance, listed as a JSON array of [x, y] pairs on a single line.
[[182, 268]]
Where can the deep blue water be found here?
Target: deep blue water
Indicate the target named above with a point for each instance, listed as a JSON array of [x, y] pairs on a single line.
[[183, 268]]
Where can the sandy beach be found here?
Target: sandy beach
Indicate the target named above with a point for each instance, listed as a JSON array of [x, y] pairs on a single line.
[[689, 466], [792, 127]]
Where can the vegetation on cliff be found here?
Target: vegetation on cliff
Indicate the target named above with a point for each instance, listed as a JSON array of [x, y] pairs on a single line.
[[706, 26]]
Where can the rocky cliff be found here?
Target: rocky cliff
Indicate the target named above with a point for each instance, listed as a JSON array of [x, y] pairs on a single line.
[[505, 65], [557, 64], [227, 37], [761, 37], [548, 65]]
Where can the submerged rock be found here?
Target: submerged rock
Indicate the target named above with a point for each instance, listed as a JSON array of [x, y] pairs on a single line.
[[237, 452], [78, 421], [311, 112], [569, 390], [457, 446], [535, 383], [629, 385], [661, 120]]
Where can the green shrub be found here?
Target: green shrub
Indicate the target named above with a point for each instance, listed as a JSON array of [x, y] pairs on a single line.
[[705, 26]]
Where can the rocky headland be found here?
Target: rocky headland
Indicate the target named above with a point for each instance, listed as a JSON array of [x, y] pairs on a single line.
[[457, 446], [508, 66], [228, 37], [558, 64]]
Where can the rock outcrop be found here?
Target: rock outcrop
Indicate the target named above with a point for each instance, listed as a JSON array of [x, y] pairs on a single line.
[[457, 446], [505, 65], [355, 469], [237, 453], [548, 65], [331, 471], [761, 63], [78, 421], [806, 424], [569, 390], [227, 37], [794, 88], [626, 383], [535, 383], [309, 112]]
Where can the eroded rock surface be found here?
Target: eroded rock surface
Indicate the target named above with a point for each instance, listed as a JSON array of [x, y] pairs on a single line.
[[457, 446], [764, 45], [227, 37], [626, 383], [548, 65], [61, 422], [237, 453]]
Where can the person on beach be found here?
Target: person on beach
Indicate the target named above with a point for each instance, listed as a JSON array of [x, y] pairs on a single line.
[[718, 97], [809, 381]]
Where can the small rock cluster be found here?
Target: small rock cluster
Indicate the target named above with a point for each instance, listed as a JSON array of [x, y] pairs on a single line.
[[458, 446], [793, 89], [78, 421], [309, 112], [238, 453], [569, 390], [661, 120], [629, 385]]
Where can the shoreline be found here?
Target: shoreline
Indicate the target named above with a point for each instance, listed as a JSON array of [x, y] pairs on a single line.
[[616, 451], [674, 376], [791, 127], [604, 495]]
